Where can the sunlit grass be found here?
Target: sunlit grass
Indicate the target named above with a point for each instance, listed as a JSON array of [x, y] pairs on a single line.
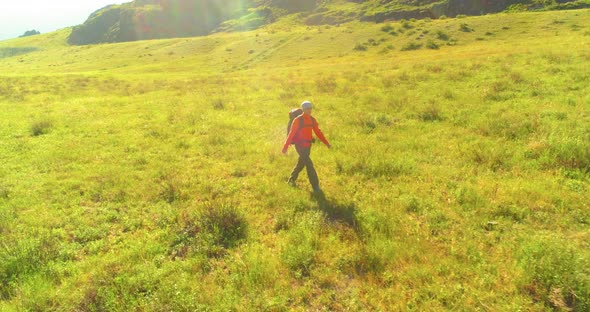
[[148, 175]]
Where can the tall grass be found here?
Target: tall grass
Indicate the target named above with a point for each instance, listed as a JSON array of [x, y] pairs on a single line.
[[557, 274]]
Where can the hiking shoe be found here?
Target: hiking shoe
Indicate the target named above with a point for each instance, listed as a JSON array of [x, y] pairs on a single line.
[[292, 183]]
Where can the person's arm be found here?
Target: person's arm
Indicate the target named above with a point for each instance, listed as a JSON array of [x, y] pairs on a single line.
[[320, 135], [291, 136]]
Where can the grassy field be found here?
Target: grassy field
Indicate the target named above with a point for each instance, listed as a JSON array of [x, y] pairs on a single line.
[[147, 176]]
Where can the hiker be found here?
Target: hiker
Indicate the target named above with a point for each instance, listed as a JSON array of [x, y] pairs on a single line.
[[300, 134]]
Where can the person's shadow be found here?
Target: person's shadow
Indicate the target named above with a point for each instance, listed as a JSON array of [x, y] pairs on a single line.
[[337, 212]]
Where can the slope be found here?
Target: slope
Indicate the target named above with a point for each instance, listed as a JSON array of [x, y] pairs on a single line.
[[156, 19]]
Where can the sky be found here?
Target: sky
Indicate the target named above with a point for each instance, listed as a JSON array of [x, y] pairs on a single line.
[[18, 16]]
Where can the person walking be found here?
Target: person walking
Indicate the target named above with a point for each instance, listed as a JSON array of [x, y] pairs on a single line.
[[301, 135]]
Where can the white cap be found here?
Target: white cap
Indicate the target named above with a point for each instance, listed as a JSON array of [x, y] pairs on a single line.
[[306, 104]]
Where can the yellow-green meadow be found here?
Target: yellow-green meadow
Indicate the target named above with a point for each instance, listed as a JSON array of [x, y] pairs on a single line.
[[148, 176]]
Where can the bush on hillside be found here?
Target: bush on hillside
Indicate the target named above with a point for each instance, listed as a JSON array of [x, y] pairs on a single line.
[[407, 24], [4, 194], [465, 28], [431, 113], [411, 46], [217, 228], [432, 45], [360, 47], [225, 224], [41, 127], [441, 35], [293, 5], [30, 33], [387, 28]]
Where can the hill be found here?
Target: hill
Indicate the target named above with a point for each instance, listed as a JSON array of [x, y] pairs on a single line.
[[152, 19], [147, 175]]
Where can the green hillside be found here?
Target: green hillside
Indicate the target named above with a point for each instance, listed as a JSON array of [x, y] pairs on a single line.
[[157, 19], [147, 175]]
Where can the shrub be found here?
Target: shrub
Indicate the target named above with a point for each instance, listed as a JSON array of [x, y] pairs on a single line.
[[170, 191], [387, 28], [432, 45], [452, 42], [30, 33], [360, 47], [406, 24], [465, 28], [41, 127], [4, 192], [217, 228], [225, 224], [411, 46], [490, 155], [437, 222], [373, 42], [387, 49], [513, 212], [367, 123], [431, 113], [218, 104], [441, 35], [413, 205]]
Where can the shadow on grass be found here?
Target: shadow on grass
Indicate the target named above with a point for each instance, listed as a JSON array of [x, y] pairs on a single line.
[[337, 212]]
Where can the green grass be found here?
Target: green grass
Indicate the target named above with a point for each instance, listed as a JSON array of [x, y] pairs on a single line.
[[147, 176]]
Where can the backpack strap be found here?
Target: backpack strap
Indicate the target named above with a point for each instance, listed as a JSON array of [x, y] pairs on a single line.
[[302, 123]]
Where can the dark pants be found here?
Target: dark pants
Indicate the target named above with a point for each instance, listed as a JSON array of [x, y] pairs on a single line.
[[305, 161]]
